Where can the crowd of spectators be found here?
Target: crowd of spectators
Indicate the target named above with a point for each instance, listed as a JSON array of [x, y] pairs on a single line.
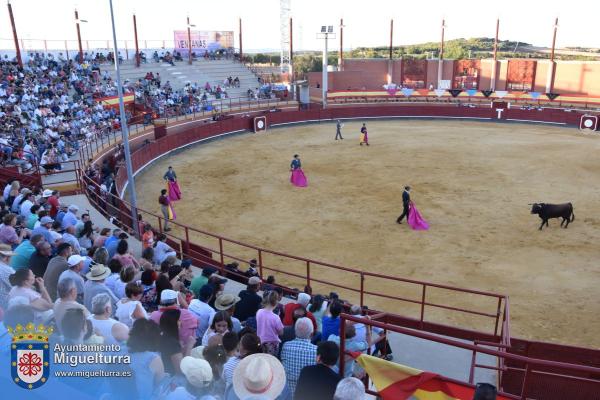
[[49, 106], [187, 338]]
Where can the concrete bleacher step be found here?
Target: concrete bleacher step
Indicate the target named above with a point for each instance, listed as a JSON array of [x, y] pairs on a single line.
[[201, 71]]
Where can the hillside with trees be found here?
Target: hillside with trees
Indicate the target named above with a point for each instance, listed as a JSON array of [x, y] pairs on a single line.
[[474, 48]]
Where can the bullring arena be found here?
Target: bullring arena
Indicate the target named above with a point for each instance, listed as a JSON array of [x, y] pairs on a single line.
[[472, 182]]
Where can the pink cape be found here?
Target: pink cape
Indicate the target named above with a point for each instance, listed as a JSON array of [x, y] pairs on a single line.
[[298, 178], [174, 191], [415, 220]]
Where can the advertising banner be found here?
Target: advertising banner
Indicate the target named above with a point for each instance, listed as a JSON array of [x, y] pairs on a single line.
[[203, 41]]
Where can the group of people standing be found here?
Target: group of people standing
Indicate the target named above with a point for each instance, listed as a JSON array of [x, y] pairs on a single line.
[[415, 221]]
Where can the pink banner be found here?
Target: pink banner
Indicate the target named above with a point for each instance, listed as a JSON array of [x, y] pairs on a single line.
[[203, 41]]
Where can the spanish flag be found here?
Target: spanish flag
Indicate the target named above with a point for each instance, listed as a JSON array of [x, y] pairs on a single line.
[[398, 382]]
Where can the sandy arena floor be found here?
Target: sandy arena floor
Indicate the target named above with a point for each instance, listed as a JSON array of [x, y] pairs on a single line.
[[472, 181]]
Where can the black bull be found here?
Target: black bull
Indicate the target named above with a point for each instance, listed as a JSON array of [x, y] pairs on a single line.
[[547, 211]]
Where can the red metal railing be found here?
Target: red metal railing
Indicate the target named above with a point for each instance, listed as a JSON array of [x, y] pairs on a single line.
[[295, 270], [576, 381]]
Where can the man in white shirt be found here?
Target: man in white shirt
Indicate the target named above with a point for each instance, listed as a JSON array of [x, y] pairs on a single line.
[[75, 266], [200, 308]]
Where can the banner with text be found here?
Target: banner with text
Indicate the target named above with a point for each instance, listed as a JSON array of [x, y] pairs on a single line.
[[203, 41]]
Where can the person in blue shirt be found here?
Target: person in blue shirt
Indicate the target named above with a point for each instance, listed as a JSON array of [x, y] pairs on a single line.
[[44, 229], [24, 251], [331, 325], [70, 217]]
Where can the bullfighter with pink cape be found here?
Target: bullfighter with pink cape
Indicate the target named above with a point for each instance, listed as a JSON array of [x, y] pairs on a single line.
[[415, 220], [297, 178], [173, 190]]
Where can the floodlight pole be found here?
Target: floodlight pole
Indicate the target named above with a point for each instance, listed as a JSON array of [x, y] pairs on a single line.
[[441, 58], [189, 42], [324, 83], [124, 129], [495, 63], [341, 60], [79, 37], [14, 29], [241, 48], [550, 88], [137, 50]]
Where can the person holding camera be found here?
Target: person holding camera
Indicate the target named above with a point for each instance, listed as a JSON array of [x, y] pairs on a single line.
[[12, 233]]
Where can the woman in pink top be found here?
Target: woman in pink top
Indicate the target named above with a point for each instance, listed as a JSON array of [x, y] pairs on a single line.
[[268, 324], [124, 256]]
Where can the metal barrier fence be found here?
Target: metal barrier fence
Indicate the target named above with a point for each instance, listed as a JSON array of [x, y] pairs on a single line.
[[426, 298], [539, 379]]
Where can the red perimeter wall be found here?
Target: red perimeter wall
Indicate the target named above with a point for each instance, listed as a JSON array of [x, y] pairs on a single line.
[[571, 77]]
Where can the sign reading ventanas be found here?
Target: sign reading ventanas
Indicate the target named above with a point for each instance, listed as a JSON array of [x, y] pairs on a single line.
[[30, 355]]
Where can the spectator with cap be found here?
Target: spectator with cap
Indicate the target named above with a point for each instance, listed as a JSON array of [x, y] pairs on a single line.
[[261, 376], [70, 217], [95, 285], [75, 266], [57, 265], [218, 284], [199, 379], [113, 331], [24, 251], [38, 262], [169, 300], [200, 280], [298, 353], [250, 301], [44, 229], [319, 381], [226, 302], [5, 272], [67, 299], [204, 312], [349, 389]]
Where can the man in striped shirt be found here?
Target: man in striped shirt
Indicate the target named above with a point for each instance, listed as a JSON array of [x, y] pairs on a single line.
[[298, 353]]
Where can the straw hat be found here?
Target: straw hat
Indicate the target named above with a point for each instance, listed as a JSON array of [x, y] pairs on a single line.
[[98, 272], [226, 301], [259, 375]]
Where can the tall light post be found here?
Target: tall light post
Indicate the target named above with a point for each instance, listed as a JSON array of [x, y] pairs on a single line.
[[77, 21], [189, 26], [124, 128], [137, 49], [550, 86], [15, 37], [495, 64], [241, 47], [441, 58], [341, 60], [326, 33]]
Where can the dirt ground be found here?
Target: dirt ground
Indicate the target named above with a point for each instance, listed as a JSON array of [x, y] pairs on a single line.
[[471, 181]]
